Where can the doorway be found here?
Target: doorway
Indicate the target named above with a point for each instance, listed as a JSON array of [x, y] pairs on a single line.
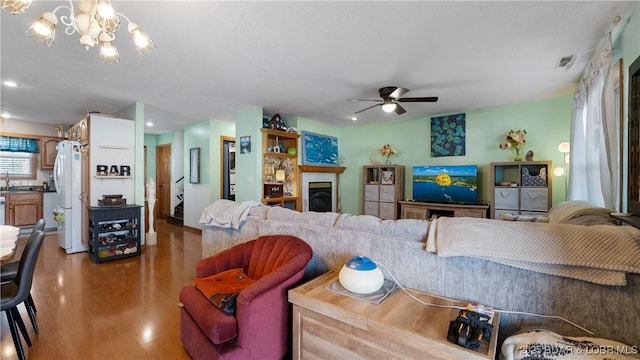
[[228, 168], [163, 180]]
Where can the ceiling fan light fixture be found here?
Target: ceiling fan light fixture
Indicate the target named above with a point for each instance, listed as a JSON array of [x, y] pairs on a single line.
[[15, 7], [388, 107]]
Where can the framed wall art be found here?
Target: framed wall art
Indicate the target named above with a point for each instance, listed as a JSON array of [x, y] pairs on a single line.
[[448, 135], [245, 144], [318, 149], [194, 166]]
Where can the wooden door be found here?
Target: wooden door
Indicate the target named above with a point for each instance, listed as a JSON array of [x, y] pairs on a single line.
[[163, 180]]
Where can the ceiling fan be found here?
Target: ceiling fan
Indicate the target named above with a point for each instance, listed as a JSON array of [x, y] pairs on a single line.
[[391, 98]]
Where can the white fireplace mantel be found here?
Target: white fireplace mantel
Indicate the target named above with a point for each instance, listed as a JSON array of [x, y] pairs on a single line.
[[312, 173]]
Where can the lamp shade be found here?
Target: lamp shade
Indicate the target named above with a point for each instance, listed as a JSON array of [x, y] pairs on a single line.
[[564, 147], [360, 275]]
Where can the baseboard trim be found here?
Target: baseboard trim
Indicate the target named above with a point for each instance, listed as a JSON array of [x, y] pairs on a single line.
[[192, 230]]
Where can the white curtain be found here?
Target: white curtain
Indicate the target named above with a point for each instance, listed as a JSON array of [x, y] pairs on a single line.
[[577, 163], [594, 151]]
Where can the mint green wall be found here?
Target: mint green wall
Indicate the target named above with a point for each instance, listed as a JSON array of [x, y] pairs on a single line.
[[166, 138], [630, 37], [249, 166], [197, 136], [217, 129], [304, 124], [546, 121]]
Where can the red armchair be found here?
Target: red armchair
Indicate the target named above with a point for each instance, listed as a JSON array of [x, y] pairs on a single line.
[[260, 327]]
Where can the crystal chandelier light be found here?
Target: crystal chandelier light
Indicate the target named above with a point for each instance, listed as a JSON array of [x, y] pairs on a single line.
[[95, 21]]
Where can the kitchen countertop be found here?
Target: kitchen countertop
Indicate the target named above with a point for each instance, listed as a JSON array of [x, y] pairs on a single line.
[[4, 192]]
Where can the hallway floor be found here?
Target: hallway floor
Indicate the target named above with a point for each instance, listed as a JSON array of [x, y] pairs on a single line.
[[121, 309]]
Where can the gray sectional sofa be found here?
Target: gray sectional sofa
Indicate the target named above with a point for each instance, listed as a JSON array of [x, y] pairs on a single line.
[[401, 246]]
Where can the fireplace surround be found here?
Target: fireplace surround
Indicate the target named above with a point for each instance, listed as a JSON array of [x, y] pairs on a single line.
[[320, 188]]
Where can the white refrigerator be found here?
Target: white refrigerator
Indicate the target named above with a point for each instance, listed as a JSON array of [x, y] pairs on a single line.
[[68, 177]]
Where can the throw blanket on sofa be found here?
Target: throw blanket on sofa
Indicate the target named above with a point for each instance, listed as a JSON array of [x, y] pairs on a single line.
[[226, 213], [601, 254], [579, 212]]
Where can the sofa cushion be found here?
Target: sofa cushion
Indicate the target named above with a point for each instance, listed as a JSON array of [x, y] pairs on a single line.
[[223, 288], [407, 229], [327, 219], [216, 325]]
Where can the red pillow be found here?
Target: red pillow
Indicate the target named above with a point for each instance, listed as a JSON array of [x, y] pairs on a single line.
[[223, 288]]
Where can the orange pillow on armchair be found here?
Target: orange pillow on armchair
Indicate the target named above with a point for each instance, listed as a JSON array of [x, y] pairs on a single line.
[[223, 288]]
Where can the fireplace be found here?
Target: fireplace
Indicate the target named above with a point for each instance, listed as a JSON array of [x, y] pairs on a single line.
[[320, 194], [320, 188]]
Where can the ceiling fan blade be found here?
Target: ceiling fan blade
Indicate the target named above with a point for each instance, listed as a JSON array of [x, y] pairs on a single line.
[[367, 108], [398, 92], [363, 100], [393, 92], [400, 110], [419, 99]]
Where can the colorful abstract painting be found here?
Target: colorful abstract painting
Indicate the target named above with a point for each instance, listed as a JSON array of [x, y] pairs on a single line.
[[448, 135]]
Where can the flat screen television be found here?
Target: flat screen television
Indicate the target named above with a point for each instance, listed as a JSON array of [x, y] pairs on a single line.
[[456, 184]]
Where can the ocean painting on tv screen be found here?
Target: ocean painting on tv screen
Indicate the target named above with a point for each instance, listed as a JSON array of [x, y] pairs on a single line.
[[446, 184]]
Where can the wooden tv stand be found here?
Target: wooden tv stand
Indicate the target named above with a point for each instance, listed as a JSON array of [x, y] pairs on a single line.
[[426, 210]]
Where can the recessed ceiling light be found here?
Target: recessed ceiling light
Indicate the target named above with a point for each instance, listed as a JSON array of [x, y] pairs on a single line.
[[354, 118], [10, 83], [149, 123]]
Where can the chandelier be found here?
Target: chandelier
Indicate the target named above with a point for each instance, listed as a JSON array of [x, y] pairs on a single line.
[[95, 21]]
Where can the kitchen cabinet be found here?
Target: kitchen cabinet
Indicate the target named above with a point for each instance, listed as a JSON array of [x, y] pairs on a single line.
[[80, 131], [48, 151], [23, 209], [114, 232]]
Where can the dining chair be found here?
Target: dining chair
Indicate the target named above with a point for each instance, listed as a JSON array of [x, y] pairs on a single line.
[[18, 290], [9, 271]]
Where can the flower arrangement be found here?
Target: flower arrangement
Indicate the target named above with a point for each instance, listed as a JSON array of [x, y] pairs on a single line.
[[388, 150], [60, 130], [515, 140]]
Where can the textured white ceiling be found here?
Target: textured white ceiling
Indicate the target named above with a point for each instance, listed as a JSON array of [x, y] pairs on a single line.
[[301, 58]]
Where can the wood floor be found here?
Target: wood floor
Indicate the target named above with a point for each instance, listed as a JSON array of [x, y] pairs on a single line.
[[122, 309]]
